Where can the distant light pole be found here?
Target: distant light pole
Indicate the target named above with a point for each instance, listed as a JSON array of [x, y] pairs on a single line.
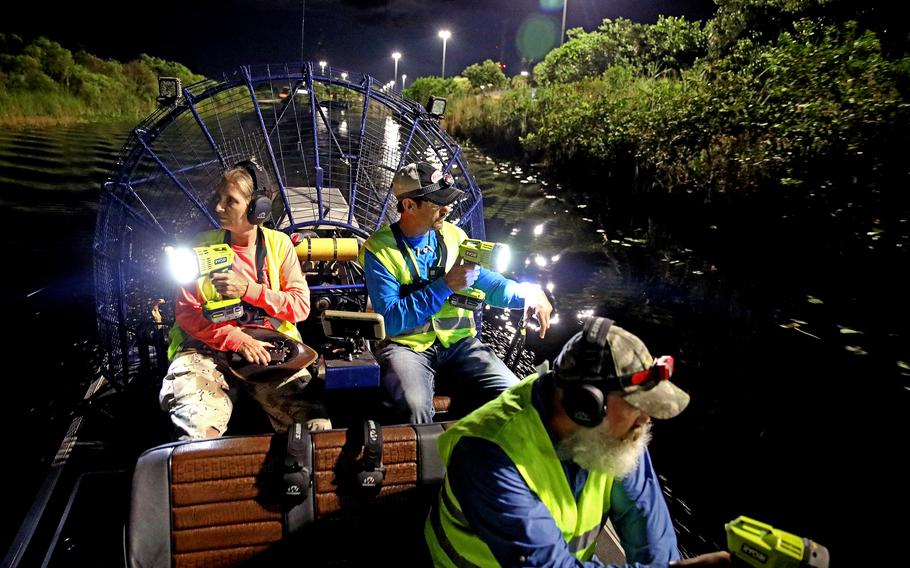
[[445, 35], [302, 26], [396, 56], [344, 76], [562, 34], [322, 65], [403, 79]]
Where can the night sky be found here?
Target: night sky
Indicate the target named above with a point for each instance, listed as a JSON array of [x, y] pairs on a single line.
[[212, 37]]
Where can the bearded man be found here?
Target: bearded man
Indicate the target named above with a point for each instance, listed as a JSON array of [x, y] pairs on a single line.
[[532, 476]]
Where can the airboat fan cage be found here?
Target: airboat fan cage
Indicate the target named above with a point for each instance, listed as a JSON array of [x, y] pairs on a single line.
[[329, 141]]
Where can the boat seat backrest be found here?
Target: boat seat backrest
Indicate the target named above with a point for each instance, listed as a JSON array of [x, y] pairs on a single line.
[[219, 502]]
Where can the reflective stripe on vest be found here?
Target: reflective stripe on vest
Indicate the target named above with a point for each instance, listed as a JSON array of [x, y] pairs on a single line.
[[450, 324], [277, 245], [512, 423], [584, 541]]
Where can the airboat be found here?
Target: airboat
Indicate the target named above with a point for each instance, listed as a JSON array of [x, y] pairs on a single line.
[[119, 492]]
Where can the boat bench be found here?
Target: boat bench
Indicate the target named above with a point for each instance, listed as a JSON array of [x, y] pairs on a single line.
[[220, 503]]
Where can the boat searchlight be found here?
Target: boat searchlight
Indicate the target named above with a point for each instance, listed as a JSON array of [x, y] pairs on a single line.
[[436, 107], [168, 90]]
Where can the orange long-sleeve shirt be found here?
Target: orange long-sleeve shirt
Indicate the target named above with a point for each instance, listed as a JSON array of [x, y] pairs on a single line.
[[291, 302]]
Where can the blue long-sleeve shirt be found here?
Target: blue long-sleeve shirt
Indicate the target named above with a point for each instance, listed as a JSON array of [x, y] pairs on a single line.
[[519, 528], [402, 314]]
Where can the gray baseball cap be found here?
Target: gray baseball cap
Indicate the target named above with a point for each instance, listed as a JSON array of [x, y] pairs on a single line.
[[426, 181], [615, 360]]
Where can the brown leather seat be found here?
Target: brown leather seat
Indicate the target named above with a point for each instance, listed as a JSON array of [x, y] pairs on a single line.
[[441, 403], [220, 503]]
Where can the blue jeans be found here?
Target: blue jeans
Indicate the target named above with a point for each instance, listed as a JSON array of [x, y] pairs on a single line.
[[475, 375]]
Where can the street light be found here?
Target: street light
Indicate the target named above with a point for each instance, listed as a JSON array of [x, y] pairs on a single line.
[[322, 65], [396, 56], [562, 33], [445, 35], [344, 76], [403, 79]]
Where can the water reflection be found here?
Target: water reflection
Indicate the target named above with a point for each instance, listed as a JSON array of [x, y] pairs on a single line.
[[769, 369]]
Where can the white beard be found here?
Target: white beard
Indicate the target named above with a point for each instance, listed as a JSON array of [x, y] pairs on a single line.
[[595, 450]]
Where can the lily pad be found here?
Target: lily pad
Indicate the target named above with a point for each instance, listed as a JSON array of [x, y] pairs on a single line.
[[848, 331]]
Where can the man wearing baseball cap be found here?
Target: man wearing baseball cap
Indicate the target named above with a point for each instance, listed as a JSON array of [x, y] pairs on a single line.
[[412, 269], [532, 476]]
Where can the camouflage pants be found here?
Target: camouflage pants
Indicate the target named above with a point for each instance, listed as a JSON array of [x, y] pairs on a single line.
[[195, 394]]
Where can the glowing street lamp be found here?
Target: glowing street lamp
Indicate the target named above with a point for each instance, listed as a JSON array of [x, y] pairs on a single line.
[[445, 35], [396, 56], [403, 79], [524, 73], [322, 65], [344, 76]]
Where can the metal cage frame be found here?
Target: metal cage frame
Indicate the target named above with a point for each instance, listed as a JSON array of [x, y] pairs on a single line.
[[329, 178]]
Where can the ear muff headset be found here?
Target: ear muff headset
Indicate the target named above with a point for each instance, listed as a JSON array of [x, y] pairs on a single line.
[[582, 399], [363, 476], [260, 208], [372, 471], [298, 465]]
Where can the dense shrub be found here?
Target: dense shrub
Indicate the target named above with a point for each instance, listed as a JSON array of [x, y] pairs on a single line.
[[43, 80]]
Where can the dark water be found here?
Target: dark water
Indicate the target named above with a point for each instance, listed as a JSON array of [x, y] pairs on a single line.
[[50, 180], [798, 368], [798, 396]]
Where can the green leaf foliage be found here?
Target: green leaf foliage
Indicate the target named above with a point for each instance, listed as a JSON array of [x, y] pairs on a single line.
[[819, 107], [42, 81], [423, 88], [485, 75], [671, 44]]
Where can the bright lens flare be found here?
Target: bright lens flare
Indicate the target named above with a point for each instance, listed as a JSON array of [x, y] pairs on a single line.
[[501, 257], [183, 265], [529, 290]]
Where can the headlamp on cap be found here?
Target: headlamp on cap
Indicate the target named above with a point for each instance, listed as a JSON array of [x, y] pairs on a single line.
[[444, 182], [661, 370]]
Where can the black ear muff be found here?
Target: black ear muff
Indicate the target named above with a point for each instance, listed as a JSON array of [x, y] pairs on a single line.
[[297, 473], [260, 207], [372, 471], [362, 476], [585, 404], [582, 399]]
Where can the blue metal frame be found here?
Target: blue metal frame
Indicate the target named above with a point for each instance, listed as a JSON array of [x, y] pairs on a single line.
[[352, 195], [268, 144], [130, 211], [313, 106], [404, 154], [124, 195], [189, 194], [188, 97]]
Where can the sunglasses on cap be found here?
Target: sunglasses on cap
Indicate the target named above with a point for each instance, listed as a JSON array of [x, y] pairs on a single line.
[[661, 370]]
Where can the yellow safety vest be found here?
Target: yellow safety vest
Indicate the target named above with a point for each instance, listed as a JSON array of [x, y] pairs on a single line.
[[512, 423], [277, 245], [449, 324]]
